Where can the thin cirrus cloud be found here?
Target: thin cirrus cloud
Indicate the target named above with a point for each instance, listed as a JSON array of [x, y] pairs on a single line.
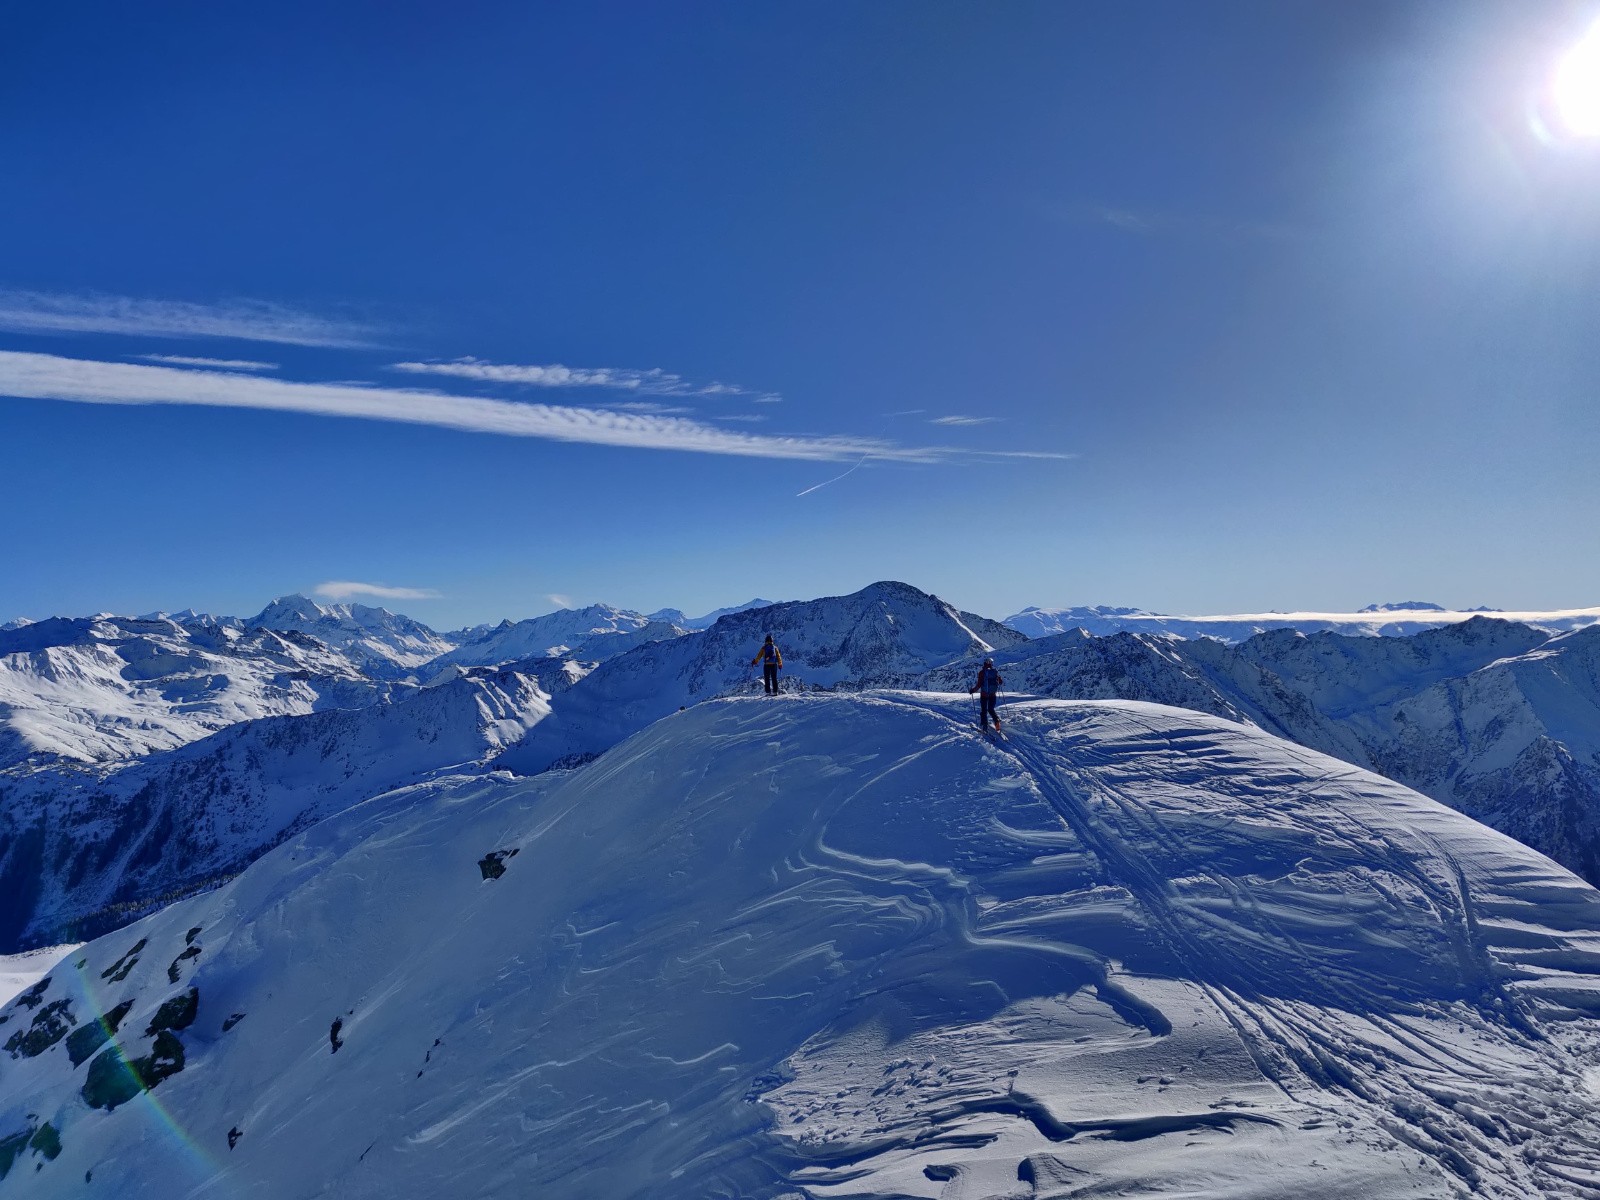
[[31, 376], [347, 589], [243, 320], [959, 420], [1154, 223], [214, 364], [651, 406], [654, 381]]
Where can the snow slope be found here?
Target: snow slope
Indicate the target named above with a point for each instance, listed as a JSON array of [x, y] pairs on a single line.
[[105, 689], [885, 631], [1390, 620], [840, 946], [21, 971], [1498, 720], [82, 852]]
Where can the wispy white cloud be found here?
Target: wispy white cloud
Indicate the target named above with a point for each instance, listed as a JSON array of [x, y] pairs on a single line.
[[552, 375], [654, 381], [559, 600], [749, 418], [245, 320], [52, 377], [1043, 454], [345, 589], [215, 364], [958, 420], [651, 406]]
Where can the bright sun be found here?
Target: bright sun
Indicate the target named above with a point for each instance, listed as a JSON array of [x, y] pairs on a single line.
[[1576, 87]]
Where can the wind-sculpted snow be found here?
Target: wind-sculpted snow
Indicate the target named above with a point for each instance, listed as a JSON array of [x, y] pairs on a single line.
[[884, 632], [1498, 720], [841, 946], [107, 689], [83, 852]]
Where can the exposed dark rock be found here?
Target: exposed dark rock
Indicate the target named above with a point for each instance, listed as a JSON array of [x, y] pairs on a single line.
[[176, 1013], [234, 1135], [118, 971], [86, 1039], [188, 938], [113, 1079], [47, 1142], [10, 1148], [165, 1059], [174, 971], [50, 1025], [333, 1034], [233, 1019], [34, 996], [492, 864]]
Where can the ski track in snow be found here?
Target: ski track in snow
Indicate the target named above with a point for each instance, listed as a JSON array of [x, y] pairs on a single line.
[[848, 946]]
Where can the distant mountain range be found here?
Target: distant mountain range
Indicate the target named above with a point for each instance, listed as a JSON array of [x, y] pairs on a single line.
[[143, 757], [1386, 620]]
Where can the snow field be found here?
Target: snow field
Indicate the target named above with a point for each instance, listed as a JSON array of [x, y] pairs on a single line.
[[848, 946]]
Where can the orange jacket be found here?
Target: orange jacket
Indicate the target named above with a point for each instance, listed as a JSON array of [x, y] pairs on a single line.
[[776, 656]]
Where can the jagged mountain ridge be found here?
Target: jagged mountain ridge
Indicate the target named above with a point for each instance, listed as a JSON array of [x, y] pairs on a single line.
[[104, 689], [675, 616], [887, 630], [1395, 705], [1375, 620], [842, 946], [385, 644], [590, 634], [84, 852]]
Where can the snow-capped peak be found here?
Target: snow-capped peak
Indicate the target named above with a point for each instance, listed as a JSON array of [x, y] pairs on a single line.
[[383, 641]]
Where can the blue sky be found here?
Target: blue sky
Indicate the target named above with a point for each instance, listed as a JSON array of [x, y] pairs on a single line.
[[1199, 307]]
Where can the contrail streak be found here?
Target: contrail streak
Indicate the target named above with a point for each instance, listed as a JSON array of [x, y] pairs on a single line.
[[835, 479]]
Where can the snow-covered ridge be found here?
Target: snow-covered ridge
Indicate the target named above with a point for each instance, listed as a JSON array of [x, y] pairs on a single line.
[[590, 634], [843, 946], [384, 643], [885, 631], [86, 852], [1388, 620], [675, 616], [1498, 720], [104, 689]]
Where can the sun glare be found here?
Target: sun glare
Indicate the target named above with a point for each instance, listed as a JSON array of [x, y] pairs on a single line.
[[1576, 87]]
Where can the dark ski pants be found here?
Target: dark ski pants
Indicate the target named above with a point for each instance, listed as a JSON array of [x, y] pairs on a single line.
[[769, 678], [987, 708]]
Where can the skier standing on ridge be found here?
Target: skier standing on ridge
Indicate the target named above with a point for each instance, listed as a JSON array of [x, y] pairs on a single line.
[[770, 658], [988, 689]]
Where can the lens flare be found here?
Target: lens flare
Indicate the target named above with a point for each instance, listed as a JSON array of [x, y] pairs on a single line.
[[1576, 87]]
